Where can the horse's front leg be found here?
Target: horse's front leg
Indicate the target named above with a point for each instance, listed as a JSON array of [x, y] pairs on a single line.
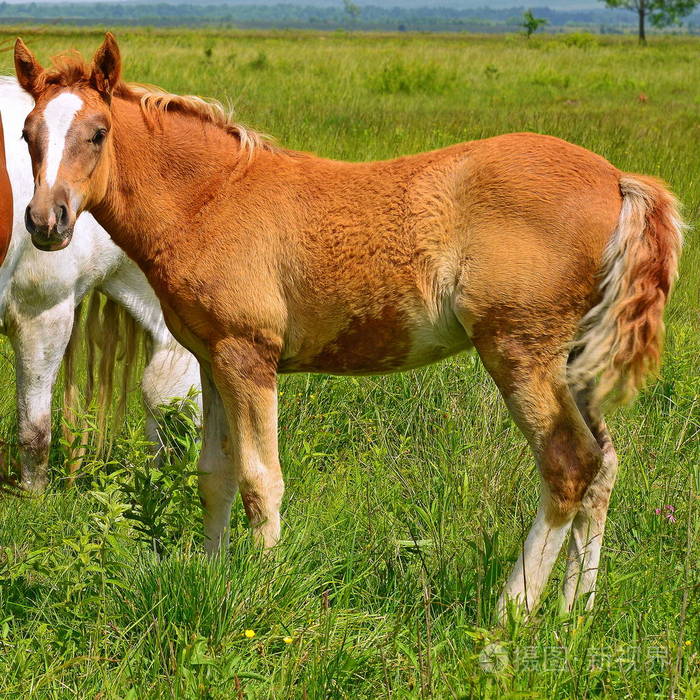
[[245, 373], [39, 340], [217, 482]]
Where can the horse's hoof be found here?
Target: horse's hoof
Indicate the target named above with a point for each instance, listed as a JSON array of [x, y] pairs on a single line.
[[32, 486]]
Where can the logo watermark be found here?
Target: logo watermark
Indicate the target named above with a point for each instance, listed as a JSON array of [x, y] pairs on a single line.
[[496, 658]]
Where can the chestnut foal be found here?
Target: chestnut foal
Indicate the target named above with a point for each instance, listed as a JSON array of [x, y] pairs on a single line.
[[548, 260]]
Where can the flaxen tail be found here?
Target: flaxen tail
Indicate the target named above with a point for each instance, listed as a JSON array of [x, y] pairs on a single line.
[[110, 341], [621, 338]]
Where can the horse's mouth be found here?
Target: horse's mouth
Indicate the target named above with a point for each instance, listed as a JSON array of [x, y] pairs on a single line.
[[51, 246]]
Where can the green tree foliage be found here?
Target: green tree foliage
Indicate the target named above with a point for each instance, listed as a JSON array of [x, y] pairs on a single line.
[[352, 10], [661, 13], [532, 23]]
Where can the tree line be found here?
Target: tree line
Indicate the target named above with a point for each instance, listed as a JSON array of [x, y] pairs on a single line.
[[346, 14]]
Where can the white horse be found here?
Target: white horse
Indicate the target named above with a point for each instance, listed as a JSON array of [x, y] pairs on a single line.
[[39, 293]]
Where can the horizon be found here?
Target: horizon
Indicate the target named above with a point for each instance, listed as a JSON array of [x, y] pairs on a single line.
[[561, 5], [471, 16]]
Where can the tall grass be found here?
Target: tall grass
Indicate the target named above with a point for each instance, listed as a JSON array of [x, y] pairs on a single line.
[[407, 496]]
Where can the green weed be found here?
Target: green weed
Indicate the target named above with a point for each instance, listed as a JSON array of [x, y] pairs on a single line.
[[398, 77]]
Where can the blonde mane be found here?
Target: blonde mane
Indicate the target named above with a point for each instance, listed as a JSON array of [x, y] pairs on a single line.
[[69, 69], [155, 100]]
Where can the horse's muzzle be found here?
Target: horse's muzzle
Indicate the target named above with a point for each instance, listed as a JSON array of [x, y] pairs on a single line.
[[50, 230]]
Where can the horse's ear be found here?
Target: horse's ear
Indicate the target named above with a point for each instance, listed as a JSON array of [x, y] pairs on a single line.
[[106, 66], [27, 68]]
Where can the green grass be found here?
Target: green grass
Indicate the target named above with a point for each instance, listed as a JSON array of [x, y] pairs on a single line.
[[375, 465]]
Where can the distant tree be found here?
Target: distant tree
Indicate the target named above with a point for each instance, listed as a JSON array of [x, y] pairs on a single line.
[[661, 13], [532, 23], [351, 10]]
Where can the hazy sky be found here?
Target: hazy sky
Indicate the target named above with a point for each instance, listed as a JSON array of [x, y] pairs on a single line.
[[463, 4]]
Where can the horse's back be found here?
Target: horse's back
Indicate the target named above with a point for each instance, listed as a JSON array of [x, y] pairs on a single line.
[[515, 198], [565, 191]]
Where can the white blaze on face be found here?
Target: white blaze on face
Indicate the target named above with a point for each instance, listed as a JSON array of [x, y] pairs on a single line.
[[58, 116]]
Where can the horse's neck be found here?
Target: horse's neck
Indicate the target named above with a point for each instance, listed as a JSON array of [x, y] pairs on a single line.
[[161, 176], [7, 270]]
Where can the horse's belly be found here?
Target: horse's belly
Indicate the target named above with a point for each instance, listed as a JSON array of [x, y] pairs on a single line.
[[429, 352], [389, 342]]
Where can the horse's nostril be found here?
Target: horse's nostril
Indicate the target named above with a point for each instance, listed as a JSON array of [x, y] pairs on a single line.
[[62, 215], [28, 220]]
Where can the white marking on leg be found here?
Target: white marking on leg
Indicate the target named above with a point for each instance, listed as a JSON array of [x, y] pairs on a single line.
[[534, 565], [262, 489], [583, 561], [58, 116], [587, 532]]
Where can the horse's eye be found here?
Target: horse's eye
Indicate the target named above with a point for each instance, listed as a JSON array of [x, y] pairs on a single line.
[[98, 137]]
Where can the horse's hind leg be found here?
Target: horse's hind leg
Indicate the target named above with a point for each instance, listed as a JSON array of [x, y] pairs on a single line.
[[589, 523], [170, 373], [533, 383]]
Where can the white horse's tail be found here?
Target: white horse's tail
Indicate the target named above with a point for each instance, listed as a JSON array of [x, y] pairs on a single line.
[[111, 342], [621, 338]]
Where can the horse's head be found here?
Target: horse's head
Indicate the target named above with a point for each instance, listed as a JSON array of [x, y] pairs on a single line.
[[68, 134]]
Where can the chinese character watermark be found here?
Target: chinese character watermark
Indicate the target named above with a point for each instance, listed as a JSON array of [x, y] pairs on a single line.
[[496, 658]]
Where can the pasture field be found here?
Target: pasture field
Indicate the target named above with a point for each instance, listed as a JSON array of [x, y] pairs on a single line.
[[407, 496]]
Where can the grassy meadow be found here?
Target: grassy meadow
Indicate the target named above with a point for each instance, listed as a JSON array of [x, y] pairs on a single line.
[[407, 496]]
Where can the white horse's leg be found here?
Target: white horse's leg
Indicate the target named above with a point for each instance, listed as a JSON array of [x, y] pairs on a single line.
[[217, 481], [39, 342], [171, 372]]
